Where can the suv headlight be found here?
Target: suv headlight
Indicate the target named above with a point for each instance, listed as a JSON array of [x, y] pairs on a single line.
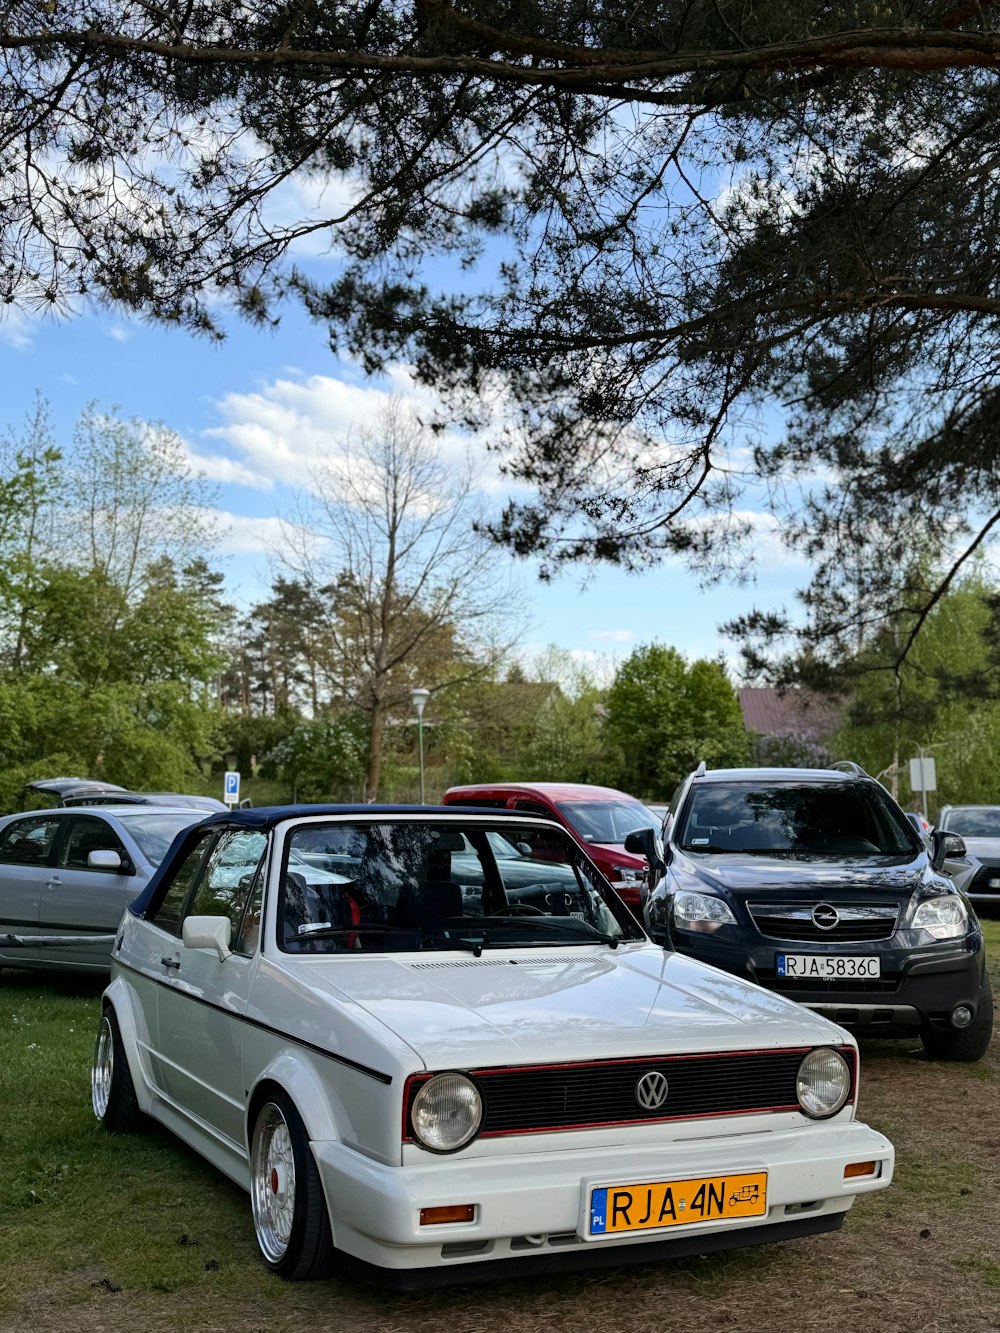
[[944, 918], [701, 911], [823, 1083], [446, 1112]]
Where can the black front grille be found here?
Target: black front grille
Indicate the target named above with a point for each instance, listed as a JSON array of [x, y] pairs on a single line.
[[794, 921], [545, 1098], [981, 880], [839, 985]]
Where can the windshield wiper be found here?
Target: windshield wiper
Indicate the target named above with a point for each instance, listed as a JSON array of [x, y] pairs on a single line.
[[557, 925], [442, 937], [329, 932]]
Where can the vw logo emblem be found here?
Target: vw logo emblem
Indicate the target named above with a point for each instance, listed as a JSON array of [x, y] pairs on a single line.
[[651, 1090], [825, 917]]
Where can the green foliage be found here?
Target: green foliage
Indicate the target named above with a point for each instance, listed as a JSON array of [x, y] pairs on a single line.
[[946, 700], [664, 716], [108, 647], [323, 759]]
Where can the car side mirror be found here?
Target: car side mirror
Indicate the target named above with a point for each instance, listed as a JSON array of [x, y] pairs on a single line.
[[208, 932], [106, 861], [646, 842], [524, 848], [944, 846]]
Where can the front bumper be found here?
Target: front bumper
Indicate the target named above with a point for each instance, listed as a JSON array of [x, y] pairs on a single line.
[[535, 1207], [919, 987]]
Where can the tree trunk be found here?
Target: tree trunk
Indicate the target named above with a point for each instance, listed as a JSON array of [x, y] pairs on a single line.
[[375, 751]]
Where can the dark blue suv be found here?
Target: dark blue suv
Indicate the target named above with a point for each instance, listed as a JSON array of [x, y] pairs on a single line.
[[813, 883]]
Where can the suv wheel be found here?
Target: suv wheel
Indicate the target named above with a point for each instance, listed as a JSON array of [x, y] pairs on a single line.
[[969, 1043]]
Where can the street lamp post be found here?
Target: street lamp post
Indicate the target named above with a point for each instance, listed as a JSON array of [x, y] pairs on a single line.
[[420, 698]]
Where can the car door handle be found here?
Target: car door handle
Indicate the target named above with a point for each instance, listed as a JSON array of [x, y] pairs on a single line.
[[171, 962], [53, 883]]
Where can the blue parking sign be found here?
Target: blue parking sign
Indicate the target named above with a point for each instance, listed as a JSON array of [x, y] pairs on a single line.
[[231, 788]]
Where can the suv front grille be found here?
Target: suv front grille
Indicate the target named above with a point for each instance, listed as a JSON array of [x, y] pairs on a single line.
[[796, 986], [856, 922], [601, 1093]]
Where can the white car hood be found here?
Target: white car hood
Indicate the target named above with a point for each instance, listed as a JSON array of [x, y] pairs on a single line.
[[527, 1005]]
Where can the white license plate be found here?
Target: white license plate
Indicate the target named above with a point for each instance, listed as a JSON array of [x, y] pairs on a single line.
[[826, 967]]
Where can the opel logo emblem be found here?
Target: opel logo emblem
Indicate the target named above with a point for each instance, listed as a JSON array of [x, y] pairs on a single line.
[[651, 1090], [825, 916]]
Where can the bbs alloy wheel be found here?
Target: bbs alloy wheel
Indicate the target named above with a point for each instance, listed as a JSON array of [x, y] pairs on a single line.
[[289, 1209]]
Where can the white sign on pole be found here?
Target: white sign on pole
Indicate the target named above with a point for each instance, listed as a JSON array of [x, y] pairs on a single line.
[[922, 775], [231, 788]]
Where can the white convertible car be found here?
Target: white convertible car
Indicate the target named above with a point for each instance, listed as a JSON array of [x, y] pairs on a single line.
[[431, 1056]]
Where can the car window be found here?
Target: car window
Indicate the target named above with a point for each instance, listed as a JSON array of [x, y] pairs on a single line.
[[170, 910], [817, 819], [385, 886], [155, 830], [224, 887], [607, 821], [27, 842], [973, 823], [84, 835]]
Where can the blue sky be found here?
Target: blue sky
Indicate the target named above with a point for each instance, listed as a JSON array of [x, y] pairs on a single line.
[[254, 411]]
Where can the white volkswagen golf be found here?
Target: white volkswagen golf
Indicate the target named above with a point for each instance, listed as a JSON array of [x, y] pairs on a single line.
[[431, 1055]]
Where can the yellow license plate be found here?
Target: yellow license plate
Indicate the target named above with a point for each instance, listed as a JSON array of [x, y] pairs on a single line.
[[672, 1203]]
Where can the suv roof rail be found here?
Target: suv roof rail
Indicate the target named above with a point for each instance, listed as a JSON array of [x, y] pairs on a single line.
[[700, 771], [849, 766]]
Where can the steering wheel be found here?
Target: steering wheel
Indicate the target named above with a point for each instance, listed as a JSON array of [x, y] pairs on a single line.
[[518, 909]]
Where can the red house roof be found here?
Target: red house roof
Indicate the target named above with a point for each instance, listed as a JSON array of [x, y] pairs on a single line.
[[774, 712]]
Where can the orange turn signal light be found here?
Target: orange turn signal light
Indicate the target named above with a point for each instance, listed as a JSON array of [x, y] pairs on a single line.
[[453, 1212], [860, 1169]]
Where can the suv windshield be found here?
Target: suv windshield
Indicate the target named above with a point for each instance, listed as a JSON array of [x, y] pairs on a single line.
[[389, 886], [606, 821], [982, 823], [821, 819]]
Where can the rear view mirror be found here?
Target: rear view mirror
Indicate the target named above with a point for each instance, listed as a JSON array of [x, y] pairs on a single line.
[[105, 861], [646, 842], [945, 846], [208, 932]]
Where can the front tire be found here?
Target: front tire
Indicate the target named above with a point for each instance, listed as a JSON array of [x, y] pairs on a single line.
[[289, 1210], [969, 1043], [112, 1092]]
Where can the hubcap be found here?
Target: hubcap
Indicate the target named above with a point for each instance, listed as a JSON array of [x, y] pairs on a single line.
[[273, 1183]]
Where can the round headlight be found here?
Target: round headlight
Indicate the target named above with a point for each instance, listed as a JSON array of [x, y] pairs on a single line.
[[446, 1112], [823, 1083]]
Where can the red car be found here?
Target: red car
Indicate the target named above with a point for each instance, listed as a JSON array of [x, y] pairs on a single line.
[[598, 817]]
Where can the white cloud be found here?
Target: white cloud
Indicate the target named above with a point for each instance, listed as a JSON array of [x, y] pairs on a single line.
[[121, 333], [278, 434], [16, 328], [243, 534], [613, 635]]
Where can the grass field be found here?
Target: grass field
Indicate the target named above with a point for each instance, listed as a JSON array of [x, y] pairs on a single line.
[[100, 1232]]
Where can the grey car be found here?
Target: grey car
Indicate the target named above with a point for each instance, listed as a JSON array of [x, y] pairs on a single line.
[[67, 875], [979, 827]]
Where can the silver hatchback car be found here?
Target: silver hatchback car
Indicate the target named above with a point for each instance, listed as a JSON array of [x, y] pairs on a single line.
[[66, 877]]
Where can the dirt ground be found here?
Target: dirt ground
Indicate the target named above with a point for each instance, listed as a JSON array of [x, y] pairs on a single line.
[[920, 1257]]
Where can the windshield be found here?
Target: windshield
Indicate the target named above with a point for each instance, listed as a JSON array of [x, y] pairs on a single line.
[[607, 821], [155, 832], [391, 886], [983, 823], [829, 819]]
